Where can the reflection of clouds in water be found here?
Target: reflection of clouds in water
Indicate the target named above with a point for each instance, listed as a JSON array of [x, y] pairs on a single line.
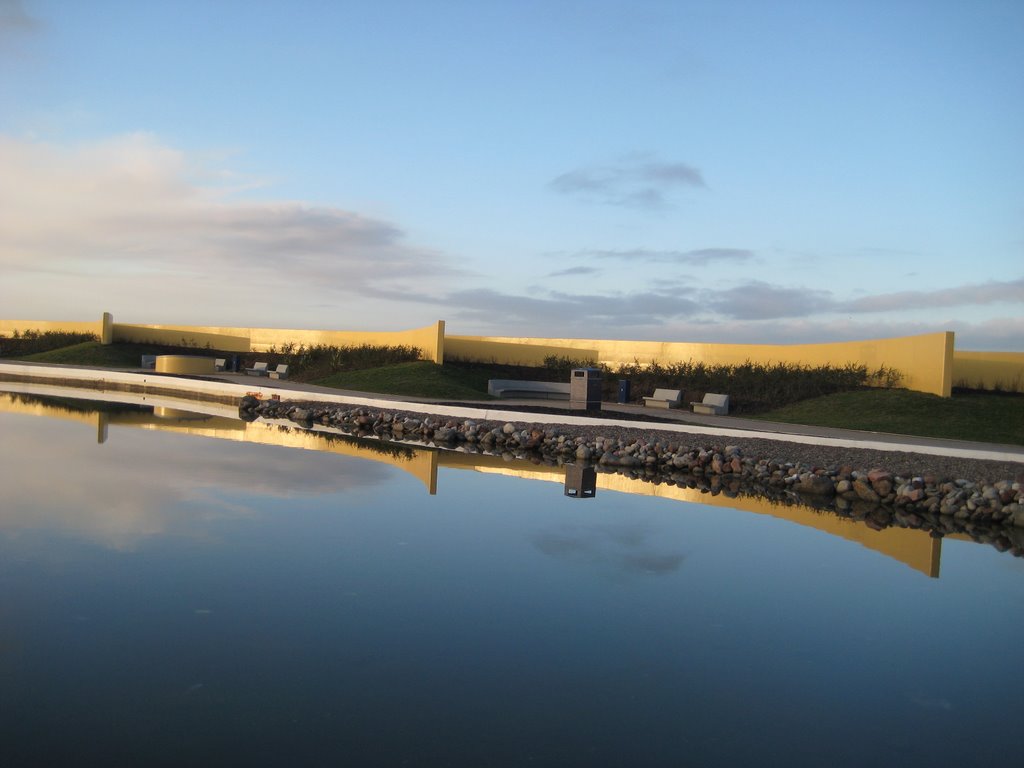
[[144, 483], [621, 549], [935, 703]]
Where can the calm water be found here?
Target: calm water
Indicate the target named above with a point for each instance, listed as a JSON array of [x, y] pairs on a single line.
[[176, 599]]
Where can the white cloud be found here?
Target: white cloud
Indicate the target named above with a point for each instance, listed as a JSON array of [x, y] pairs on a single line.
[[992, 292], [124, 218], [693, 258], [636, 182]]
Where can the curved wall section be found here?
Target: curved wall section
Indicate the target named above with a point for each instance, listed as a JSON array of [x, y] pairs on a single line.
[[925, 361], [184, 364], [989, 370]]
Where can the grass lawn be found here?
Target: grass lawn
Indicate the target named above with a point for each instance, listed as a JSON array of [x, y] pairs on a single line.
[[95, 354], [970, 416], [419, 379]]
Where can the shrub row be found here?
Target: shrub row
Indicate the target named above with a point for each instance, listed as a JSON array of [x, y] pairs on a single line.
[[31, 341], [320, 360], [752, 387]]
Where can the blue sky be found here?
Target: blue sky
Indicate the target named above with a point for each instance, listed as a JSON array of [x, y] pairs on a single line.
[[689, 171]]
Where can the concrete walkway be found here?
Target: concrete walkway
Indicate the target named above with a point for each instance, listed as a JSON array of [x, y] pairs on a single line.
[[237, 385]]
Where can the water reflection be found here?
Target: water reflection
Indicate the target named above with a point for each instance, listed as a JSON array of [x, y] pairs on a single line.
[[152, 491], [139, 510], [320, 607], [619, 550], [580, 481]]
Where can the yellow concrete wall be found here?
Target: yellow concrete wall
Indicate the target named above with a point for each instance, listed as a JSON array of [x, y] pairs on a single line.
[[430, 339], [8, 327], [483, 349], [201, 337], [989, 370], [925, 361]]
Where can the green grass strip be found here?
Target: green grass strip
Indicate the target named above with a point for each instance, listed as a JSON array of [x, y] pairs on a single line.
[[981, 417], [419, 379]]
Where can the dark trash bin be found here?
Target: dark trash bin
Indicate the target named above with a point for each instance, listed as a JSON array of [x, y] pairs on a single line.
[[624, 390], [585, 389]]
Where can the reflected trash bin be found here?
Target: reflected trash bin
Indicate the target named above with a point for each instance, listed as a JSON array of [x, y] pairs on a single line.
[[624, 390], [580, 482], [585, 389]]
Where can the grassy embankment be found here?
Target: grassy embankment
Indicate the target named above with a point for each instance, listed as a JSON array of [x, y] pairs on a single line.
[[413, 379], [416, 379], [92, 353], [982, 416]]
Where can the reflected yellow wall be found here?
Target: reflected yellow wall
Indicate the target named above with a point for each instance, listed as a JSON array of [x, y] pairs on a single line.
[[15, 404], [989, 370], [421, 464], [915, 548], [925, 361]]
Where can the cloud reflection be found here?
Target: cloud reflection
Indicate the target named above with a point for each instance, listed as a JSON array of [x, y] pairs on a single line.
[[142, 483], [619, 550]]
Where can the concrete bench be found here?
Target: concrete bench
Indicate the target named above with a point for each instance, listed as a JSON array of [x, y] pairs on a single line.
[[715, 405], [548, 390], [280, 372], [664, 398], [258, 369]]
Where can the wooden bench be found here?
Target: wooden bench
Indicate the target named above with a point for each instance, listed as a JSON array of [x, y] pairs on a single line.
[[664, 398], [715, 405], [548, 390]]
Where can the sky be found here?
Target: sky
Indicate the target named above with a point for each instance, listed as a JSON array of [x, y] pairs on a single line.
[[739, 172]]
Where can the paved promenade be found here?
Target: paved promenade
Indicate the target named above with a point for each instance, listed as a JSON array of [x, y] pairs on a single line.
[[237, 385]]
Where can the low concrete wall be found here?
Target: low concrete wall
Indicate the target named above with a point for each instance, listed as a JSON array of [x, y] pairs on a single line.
[[989, 370], [925, 361], [194, 364]]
